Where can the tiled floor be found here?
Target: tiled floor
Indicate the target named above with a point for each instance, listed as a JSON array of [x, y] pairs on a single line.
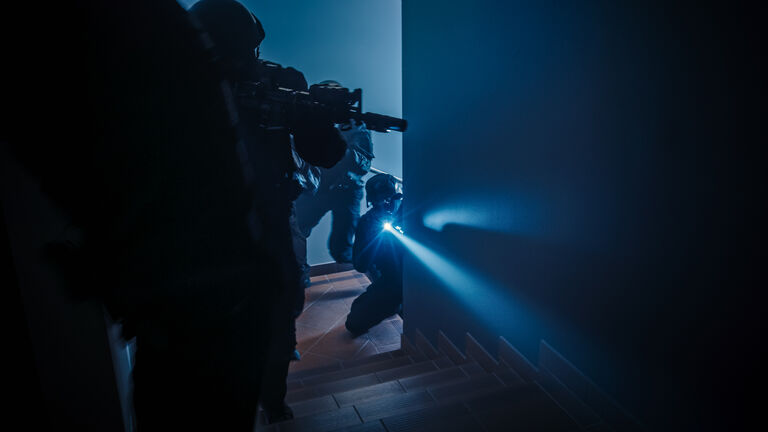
[[322, 338]]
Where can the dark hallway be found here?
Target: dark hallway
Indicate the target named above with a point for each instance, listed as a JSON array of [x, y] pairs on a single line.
[[581, 243]]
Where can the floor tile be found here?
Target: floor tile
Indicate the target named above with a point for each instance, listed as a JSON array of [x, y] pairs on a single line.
[[318, 279], [388, 348], [320, 328], [384, 334], [323, 314], [343, 275], [369, 349], [309, 337], [339, 343], [392, 405], [367, 393], [353, 282]]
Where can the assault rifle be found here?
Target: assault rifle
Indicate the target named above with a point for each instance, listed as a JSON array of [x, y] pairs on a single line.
[[278, 105]]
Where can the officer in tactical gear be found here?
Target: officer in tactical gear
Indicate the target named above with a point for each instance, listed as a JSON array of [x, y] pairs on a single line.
[[269, 157], [340, 191], [379, 253], [146, 168]]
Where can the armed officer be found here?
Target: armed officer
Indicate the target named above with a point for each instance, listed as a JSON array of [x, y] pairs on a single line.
[[340, 191], [379, 253], [268, 155]]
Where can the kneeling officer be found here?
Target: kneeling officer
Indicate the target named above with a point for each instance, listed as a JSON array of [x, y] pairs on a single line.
[[378, 252]]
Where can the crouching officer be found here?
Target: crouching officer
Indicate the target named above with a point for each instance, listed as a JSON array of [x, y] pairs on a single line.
[[378, 252]]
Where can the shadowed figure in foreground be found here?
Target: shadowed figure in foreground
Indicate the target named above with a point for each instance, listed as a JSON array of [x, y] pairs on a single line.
[[146, 168], [272, 139]]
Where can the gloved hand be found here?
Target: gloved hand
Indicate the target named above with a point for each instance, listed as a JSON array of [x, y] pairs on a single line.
[[316, 139]]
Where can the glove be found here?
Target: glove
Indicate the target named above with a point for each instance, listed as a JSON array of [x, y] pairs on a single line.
[[316, 139]]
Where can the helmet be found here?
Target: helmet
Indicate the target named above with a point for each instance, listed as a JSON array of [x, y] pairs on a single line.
[[235, 31], [382, 187], [330, 83]]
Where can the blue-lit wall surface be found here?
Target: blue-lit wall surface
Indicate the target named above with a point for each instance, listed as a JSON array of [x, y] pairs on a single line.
[[357, 43], [576, 172]]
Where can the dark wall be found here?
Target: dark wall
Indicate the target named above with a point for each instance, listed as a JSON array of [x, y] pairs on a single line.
[[587, 175]]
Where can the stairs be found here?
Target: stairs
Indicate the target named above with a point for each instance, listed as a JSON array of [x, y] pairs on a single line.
[[423, 388]]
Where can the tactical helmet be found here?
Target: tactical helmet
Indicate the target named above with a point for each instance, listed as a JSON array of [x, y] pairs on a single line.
[[330, 83], [382, 187], [235, 31]]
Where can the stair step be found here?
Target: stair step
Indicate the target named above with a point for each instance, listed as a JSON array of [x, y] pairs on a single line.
[[514, 358], [526, 407], [393, 405], [473, 369], [465, 389], [447, 418], [368, 359], [322, 422], [476, 352], [314, 406], [369, 392], [351, 397], [332, 387], [412, 350], [444, 362], [581, 413], [359, 382], [406, 371], [432, 378], [398, 353], [294, 376], [375, 391], [449, 349], [365, 427], [387, 363], [509, 377], [425, 346], [358, 386], [297, 376]]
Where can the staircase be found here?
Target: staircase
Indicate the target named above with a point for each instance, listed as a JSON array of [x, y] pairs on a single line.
[[421, 388]]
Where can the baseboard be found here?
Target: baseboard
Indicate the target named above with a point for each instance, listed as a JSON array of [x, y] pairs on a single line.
[[587, 391], [577, 394], [329, 268]]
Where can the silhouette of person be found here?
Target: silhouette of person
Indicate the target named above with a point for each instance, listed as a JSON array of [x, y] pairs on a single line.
[[378, 253], [147, 168], [339, 191], [236, 35]]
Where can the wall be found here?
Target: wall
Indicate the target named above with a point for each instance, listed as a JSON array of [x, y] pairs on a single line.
[[357, 43], [577, 172]]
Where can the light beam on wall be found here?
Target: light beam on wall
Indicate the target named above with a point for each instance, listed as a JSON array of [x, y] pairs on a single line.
[[498, 212], [486, 299]]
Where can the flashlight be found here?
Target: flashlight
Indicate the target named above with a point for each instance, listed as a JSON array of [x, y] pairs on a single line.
[[388, 227]]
